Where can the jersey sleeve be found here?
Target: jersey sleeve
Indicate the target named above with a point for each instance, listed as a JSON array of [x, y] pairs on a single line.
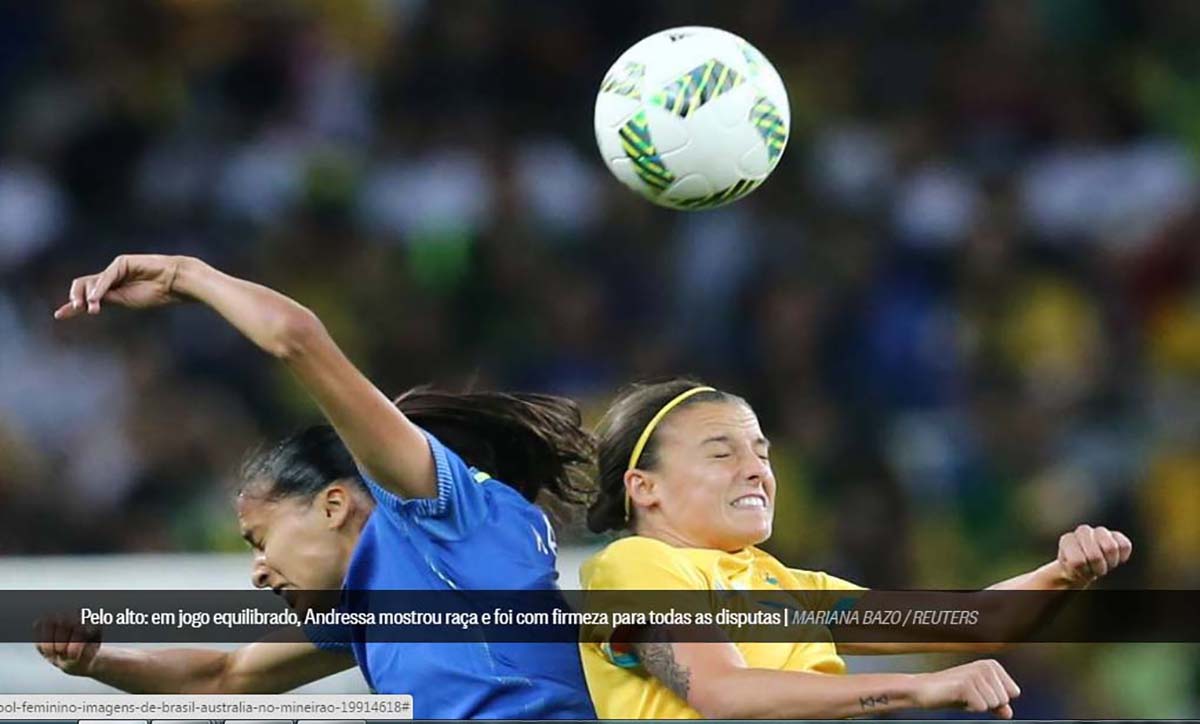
[[636, 564], [461, 503], [616, 580], [821, 591], [827, 582], [328, 638]]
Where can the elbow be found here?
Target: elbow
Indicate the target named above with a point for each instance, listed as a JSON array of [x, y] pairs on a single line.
[[719, 702], [297, 331], [711, 708]]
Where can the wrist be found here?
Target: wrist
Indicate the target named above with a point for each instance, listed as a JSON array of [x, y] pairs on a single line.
[[1056, 577], [188, 273], [908, 690], [881, 693], [94, 667]]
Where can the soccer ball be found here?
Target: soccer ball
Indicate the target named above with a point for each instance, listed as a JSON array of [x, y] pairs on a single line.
[[692, 118]]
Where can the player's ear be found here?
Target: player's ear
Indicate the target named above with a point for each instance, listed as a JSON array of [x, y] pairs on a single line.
[[641, 488], [335, 504]]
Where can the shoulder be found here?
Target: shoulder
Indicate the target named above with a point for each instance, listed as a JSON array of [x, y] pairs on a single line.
[[821, 581], [637, 545], [645, 563], [636, 548]]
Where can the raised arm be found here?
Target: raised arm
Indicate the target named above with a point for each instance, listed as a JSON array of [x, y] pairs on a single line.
[[271, 666], [1084, 555], [389, 447], [714, 679]]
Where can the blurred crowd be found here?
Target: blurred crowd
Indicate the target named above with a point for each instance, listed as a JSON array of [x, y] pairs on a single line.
[[966, 306]]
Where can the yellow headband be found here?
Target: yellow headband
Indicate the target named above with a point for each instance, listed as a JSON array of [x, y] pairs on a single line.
[[646, 433]]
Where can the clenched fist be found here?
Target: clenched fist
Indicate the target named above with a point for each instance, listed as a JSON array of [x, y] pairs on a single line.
[[1086, 553], [977, 687], [68, 644]]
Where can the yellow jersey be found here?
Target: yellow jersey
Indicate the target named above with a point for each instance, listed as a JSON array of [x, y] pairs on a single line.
[[621, 689]]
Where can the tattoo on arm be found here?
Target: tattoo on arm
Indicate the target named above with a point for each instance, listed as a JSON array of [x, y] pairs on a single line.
[[658, 659], [870, 702]]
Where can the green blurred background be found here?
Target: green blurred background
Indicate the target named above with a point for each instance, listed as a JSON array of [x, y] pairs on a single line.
[[966, 306]]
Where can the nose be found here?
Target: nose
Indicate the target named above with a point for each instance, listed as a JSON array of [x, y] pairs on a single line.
[[259, 575], [756, 469]]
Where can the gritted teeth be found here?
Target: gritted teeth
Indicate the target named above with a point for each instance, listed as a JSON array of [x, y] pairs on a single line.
[[752, 500]]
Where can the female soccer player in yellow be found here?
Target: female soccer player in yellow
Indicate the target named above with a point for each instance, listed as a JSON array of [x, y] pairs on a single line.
[[685, 468]]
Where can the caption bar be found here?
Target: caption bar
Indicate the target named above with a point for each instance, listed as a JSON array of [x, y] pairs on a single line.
[[362, 707], [595, 616]]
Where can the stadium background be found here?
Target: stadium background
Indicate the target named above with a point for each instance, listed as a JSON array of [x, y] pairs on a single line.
[[966, 306]]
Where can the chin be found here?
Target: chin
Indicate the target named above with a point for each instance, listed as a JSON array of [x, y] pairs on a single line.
[[743, 537], [750, 532], [762, 535]]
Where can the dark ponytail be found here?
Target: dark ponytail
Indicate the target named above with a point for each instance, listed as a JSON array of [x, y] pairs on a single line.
[[617, 435], [531, 442]]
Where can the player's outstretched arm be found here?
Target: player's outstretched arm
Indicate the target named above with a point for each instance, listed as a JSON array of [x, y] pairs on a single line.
[[1085, 555], [714, 680], [389, 447], [264, 667]]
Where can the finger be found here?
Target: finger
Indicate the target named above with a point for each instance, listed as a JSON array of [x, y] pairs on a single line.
[[76, 640], [1073, 557], [1006, 681], [998, 687], [1003, 712], [987, 689], [60, 636], [95, 637], [1107, 543], [66, 311], [1087, 540], [105, 280], [77, 292], [93, 304], [41, 636], [1124, 544], [974, 697]]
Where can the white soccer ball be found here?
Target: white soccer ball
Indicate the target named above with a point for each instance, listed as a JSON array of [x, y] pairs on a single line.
[[692, 118]]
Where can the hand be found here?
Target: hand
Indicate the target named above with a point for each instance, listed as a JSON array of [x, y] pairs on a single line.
[[1086, 553], [132, 280], [68, 644], [977, 687]]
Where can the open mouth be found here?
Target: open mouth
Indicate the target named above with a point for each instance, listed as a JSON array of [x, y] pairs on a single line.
[[751, 501]]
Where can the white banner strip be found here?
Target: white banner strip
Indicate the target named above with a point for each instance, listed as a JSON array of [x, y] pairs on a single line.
[[182, 707]]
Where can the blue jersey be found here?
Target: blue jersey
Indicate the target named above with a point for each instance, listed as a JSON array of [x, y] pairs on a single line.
[[476, 534]]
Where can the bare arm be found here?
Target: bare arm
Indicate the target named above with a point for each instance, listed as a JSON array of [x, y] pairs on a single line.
[[714, 679], [389, 447], [1084, 555], [270, 666]]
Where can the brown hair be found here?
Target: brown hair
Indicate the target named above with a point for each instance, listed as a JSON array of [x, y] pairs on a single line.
[[618, 433]]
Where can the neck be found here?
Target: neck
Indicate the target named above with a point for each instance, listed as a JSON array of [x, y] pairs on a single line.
[[660, 530]]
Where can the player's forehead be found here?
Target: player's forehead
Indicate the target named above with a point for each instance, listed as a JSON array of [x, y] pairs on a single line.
[[255, 511], [701, 422]]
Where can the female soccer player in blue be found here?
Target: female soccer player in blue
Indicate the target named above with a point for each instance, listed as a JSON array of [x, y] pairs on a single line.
[[377, 502]]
